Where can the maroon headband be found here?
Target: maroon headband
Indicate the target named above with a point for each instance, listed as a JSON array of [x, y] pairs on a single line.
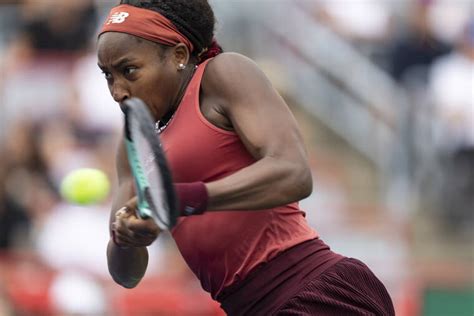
[[146, 24]]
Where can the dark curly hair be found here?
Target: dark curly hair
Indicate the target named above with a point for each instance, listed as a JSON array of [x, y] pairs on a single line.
[[193, 18]]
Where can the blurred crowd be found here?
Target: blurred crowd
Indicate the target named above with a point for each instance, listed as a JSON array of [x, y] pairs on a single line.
[[56, 115], [427, 47]]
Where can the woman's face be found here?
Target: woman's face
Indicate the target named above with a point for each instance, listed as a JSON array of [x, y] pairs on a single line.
[[138, 68]]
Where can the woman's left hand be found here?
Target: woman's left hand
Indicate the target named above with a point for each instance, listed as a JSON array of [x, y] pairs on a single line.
[[129, 230]]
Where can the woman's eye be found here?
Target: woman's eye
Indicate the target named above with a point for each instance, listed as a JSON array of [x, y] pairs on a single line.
[[129, 70], [107, 75]]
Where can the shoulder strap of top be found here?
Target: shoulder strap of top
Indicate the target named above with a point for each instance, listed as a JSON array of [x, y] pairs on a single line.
[[200, 72]]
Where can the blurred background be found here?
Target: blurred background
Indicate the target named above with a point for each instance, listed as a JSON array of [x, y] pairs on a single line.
[[382, 90]]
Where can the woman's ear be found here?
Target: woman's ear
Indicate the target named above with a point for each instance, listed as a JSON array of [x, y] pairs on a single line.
[[181, 55]]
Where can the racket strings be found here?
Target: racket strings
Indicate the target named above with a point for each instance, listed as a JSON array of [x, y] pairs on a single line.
[[154, 186], [155, 192]]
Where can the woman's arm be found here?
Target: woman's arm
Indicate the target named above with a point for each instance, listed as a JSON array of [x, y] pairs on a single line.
[[269, 131], [127, 256]]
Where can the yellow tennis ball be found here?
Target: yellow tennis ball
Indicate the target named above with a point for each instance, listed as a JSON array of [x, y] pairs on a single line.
[[85, 186]]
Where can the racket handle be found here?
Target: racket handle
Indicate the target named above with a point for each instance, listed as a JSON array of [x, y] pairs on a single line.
[[192, 198]]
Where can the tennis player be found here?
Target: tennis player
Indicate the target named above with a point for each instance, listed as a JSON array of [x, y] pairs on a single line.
[[239, 167]]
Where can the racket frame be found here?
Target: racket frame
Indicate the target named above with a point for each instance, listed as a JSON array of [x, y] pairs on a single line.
[[146, 208]]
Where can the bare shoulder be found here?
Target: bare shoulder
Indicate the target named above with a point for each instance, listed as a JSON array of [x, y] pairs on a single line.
[[230, 74], [226, 63]]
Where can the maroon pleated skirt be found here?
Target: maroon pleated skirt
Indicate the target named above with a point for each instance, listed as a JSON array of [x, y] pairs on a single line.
[[308, 279]]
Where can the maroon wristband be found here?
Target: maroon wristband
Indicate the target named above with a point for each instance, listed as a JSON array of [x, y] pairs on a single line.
[[192, 198]]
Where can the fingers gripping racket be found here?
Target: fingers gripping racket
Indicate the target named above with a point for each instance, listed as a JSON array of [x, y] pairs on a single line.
[[153, 181]]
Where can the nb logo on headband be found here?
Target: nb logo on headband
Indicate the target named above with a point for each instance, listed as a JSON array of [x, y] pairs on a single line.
[[117, 17]]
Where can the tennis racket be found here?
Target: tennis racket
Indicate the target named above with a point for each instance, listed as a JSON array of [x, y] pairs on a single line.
[[153, 181]]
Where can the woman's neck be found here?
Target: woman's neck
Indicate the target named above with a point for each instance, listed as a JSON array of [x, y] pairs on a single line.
[[186, 79]]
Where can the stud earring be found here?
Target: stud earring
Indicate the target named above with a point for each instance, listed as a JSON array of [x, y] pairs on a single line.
[[181, 66]]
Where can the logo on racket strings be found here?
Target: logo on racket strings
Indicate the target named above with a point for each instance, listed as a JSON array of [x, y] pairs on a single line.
[[117, 17]]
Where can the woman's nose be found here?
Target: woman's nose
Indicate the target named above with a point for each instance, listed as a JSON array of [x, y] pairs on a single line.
[[120, 93]]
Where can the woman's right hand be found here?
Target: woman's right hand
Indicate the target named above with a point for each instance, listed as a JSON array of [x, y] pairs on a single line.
[[129, 230]]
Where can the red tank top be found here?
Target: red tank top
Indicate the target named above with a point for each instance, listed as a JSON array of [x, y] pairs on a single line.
[[222, 247]]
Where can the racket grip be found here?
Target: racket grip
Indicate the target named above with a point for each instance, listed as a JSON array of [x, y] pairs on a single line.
[[192, 198]]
